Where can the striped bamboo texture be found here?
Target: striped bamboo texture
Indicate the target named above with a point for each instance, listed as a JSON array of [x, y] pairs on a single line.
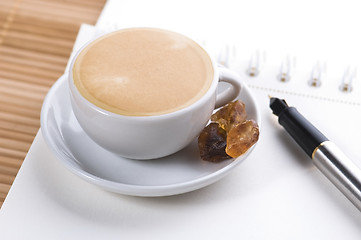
[[36, 39]]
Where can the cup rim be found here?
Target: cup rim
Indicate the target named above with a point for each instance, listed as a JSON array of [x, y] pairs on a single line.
[[211, 90]]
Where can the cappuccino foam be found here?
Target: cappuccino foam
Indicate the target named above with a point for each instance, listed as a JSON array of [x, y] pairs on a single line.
[[142, 72]]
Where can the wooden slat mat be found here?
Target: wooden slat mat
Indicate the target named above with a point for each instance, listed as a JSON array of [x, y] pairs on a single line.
[[36, 39]]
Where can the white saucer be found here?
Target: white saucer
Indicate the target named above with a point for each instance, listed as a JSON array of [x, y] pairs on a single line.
[[179, 173]]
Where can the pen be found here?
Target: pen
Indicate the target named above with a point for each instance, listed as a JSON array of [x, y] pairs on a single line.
[[327, 157]]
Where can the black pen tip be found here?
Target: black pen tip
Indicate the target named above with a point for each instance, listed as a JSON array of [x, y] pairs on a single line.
[[277, 105]]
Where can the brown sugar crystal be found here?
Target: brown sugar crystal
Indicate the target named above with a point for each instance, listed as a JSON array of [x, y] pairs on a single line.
[[241, 137], [212, 143], [230, 115], [229, 135]]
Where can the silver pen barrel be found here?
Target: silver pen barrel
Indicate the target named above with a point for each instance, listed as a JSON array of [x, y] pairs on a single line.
[[340, 170]]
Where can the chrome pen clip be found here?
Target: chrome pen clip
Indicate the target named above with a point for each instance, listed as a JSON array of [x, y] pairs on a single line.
[[318, 71], [348, 77], [287, 69], [256, 63]]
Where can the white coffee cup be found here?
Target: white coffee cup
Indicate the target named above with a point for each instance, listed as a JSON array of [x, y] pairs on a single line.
[[149, 137]]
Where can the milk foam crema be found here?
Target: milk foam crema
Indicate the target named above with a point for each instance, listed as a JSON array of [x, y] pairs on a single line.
[[143, 72]]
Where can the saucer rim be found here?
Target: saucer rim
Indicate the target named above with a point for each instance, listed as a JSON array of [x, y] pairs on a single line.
[[132, 189]]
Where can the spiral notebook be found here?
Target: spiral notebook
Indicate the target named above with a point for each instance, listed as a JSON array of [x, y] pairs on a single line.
[[278, 184], [327, 92]]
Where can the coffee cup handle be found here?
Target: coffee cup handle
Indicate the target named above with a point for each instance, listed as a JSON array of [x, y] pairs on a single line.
[[228, 76]]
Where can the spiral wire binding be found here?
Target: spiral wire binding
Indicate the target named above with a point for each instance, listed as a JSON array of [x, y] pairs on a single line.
[[287, 69], [256, 63], [349, 77], [317, 74]]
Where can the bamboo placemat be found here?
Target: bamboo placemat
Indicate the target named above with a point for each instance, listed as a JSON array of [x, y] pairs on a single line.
[[36, 39]]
